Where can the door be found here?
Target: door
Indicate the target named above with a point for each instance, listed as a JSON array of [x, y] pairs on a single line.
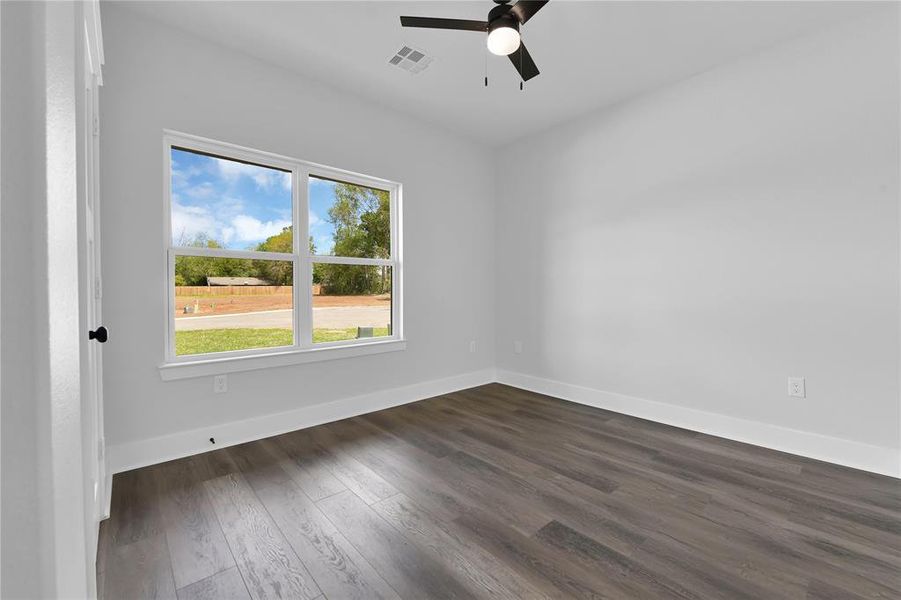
[[94, 334], [97, 335]]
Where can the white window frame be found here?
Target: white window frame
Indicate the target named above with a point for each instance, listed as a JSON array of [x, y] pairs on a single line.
[[303, 350]]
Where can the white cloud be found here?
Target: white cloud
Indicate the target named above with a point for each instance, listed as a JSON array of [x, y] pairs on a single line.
[[204, 190], [189, 221], [314, 219], [230, 169], [181, 177], [228, 206], [264, 178], [250, 229]]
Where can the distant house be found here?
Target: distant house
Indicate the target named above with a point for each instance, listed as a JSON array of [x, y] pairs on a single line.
[[236, 281]]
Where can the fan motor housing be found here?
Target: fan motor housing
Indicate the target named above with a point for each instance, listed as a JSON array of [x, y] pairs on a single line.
[[500, 16]]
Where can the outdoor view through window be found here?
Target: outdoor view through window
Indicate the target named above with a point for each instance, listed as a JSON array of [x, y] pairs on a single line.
[[234, 260]]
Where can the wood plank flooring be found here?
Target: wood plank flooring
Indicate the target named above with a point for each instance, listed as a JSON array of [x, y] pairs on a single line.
[[496, 492]]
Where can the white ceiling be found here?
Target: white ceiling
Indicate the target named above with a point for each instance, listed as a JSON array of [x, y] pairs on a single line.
[[591, 54]]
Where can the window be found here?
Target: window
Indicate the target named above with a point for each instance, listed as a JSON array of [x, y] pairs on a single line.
[[272, 255]]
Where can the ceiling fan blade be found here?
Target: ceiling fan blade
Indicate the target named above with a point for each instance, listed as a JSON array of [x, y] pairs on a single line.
[[430, 23], [523, 62], [526, 9]]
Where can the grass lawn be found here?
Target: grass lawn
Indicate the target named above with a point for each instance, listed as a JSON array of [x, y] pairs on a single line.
[[335, 335], [203, 341]]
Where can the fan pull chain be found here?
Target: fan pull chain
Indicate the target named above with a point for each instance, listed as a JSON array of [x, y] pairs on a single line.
[[486, 67], [520, 63]]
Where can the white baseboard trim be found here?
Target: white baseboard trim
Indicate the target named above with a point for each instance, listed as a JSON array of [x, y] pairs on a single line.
[[106, 503], [876, 459], [124, 457]]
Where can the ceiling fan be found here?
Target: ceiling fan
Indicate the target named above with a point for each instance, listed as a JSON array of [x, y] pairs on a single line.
[[502, 28]]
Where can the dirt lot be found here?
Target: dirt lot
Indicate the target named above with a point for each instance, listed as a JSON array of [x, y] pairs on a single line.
[[226, 305]]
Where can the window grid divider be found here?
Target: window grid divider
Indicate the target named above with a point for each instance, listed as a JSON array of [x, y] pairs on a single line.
[[228, 253], [351, 260], [304, 272]]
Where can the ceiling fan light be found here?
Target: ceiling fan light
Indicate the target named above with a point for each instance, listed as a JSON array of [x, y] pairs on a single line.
[[503, 40]]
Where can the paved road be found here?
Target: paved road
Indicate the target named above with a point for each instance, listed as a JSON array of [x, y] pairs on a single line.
[[337, 317]]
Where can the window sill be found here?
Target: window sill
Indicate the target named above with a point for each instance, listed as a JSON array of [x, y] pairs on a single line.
[[231, 364]]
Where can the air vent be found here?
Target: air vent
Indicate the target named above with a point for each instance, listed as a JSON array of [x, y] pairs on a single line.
[[414, 60]]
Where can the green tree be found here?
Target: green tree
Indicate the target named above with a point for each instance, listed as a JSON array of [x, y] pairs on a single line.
[[362, 223], [277, 272], [195, 270], [317, 268]]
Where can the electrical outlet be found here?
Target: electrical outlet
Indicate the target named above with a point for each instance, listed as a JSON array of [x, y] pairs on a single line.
[[472, 347], [797, 387], [220, 384], [517, 347]]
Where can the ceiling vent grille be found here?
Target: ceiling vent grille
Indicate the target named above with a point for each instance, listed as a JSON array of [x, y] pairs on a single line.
[[410, 59]]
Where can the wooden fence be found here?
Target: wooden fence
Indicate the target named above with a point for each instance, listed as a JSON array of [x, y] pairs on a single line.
[[231, 290]]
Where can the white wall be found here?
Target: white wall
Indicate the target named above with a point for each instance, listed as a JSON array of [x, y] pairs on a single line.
[[157, 77], [692, 247], [699, 244], [18, 412]]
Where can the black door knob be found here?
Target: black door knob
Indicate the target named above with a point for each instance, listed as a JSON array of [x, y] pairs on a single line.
[[100, 334]]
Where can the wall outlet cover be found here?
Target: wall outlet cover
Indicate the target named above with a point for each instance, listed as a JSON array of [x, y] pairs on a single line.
[[797, 387], [517, 347], [220, 384]]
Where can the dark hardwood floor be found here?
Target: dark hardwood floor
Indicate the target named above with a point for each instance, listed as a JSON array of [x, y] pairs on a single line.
[[495, 492]]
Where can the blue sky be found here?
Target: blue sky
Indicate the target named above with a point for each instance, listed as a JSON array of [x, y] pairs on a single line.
[[240, 205], [321, 197]]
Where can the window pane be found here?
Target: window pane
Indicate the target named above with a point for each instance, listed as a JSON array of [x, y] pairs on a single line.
[[349, 220], [350, 302], [224, 304], [222, 203]]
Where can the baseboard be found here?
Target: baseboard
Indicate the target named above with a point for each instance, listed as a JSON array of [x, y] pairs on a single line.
[[876, 459], [107, 496], [124, 457]]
